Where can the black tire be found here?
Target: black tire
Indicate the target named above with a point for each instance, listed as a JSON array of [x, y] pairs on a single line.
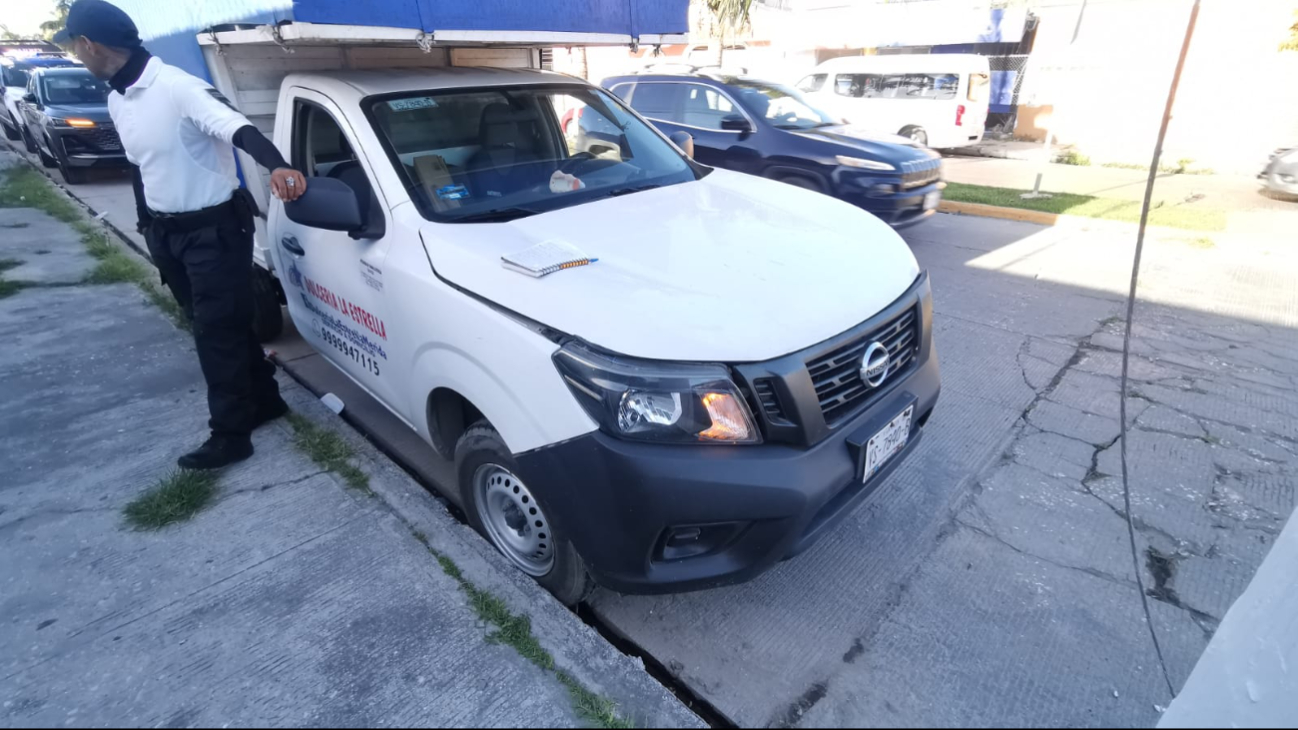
[[29, 143], [915, 134], [267, 316], [799, 181], [72, 175], [480, 452], [12, 133], [46, 160]]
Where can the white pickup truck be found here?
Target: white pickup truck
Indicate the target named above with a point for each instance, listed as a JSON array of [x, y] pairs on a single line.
[[719, 367]]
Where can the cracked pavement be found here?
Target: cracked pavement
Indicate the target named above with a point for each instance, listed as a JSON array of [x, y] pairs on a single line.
[[990, 583]]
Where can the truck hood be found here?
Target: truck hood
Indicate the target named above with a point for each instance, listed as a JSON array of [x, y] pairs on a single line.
[[730, 268]]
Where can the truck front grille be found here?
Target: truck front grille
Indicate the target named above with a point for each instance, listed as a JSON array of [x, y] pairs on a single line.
[[918, 173], [836, 375]]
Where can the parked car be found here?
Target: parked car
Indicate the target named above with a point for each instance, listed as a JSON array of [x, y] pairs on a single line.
[[66, 122], [940, 100], [772, 131], [740, 364], [1280, 178], [14, 74]]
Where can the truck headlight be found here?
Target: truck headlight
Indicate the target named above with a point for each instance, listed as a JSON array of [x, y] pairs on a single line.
[[647, 400], [863, 164], [72, 122]]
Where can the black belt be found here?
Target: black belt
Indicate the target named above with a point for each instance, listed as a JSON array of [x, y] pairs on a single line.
[[239, 206]]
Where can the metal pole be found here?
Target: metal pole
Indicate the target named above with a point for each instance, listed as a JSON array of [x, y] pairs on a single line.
[[1050, 128], [1126, 338]]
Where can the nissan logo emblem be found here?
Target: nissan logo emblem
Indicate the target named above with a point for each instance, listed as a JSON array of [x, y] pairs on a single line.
[[875, 364]]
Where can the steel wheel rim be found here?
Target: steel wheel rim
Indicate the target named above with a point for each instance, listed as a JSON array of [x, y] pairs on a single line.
[[513, 519]]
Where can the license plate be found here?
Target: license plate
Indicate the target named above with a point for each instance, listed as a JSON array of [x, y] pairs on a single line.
[[887, 443], [932, 199]]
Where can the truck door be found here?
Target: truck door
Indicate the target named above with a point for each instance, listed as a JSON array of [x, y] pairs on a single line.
[[334, 280]]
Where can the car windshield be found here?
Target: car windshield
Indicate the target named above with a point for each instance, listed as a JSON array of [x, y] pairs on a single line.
[[783, 106], [74, 88], [493, 154]]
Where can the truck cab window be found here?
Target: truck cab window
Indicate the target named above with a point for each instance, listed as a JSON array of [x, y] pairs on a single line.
[[321, 149], [506, 152]]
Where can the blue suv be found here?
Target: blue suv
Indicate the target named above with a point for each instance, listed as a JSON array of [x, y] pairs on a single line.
[[771, 130]]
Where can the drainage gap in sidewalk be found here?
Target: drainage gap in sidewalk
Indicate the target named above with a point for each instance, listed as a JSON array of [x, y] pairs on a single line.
[[686, 696]]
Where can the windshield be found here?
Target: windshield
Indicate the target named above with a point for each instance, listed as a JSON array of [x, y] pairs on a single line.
[[499, 153], [783, 106], [74, 88]]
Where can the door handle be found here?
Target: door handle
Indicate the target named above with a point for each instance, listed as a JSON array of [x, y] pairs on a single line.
[[291, 245]]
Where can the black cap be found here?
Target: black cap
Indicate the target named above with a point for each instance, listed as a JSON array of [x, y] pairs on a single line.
[[101, 22]]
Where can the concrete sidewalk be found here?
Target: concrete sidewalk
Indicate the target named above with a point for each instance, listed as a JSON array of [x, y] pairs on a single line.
[[292, 600]]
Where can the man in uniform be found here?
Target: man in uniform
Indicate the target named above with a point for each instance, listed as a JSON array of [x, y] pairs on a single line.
[[177, 131]]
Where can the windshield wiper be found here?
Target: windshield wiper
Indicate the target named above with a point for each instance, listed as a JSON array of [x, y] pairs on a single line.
[[633, 189], [499, 215]]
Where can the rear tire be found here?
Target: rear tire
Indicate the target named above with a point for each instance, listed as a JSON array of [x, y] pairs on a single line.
[[512, 517], [267, 316], [915, 134], [11, 133]]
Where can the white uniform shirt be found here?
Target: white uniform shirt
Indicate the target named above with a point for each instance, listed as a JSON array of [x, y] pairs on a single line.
[[179, 130]]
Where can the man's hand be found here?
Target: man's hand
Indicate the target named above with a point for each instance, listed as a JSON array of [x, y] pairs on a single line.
[[287, 184]]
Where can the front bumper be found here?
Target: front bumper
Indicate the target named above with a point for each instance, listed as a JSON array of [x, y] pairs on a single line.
[[901, 207], [650, 518], [93, 147]]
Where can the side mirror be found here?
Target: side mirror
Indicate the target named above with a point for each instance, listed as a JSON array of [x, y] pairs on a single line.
[[29, 97], [736, 123], [327, 203], [685, 142]]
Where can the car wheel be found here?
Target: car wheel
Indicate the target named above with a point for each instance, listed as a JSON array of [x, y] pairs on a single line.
[[72, 175], [806, 183], [267, 316], [503, 509], [915, 134], [28, 142], [11, 133], [46, 160]]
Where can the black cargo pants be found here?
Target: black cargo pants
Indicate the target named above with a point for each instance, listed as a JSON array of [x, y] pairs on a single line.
[[205, 259]]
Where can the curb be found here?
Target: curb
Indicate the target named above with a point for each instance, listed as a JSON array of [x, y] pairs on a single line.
[[1011, 214]]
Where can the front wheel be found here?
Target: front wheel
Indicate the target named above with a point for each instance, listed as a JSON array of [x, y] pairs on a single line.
[[11, 133], [29, 142], [72, 175], [46, 160], [503, 509]]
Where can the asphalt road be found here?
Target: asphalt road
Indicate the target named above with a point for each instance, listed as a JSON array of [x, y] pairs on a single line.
[[989, 581]]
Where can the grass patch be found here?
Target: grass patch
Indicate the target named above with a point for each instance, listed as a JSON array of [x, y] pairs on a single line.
[[516, 631], [9, 288], [1190, 218], [1073, 157], [178, 496], [1201, 242], [23, 187], [329, 450], [6, 264]]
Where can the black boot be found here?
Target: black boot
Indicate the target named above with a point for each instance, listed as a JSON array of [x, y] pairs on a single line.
[[267, 412], [218, 451]]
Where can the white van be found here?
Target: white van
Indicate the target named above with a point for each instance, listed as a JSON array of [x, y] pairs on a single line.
[[716, 370], [939, 100]]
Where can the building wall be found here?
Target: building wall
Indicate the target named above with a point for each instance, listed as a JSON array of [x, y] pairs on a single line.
[[1239, 94]]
